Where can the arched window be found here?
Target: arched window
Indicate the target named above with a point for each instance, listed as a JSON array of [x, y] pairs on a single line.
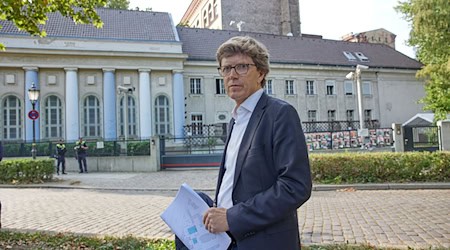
[[205, 19], [216, 13], [53, 117], [210, 13], [131, 114], [12, 123], [162, 120], [91, 117]]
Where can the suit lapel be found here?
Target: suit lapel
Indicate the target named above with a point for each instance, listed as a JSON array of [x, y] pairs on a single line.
[[253, 124]]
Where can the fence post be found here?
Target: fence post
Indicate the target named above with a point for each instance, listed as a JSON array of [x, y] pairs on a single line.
[[444, 135], [397, 136]]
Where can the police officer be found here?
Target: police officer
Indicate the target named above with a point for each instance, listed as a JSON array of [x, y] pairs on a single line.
[[81, 150], [61, 156]]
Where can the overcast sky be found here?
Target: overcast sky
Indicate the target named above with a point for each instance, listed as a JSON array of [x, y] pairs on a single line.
[[330, 18]]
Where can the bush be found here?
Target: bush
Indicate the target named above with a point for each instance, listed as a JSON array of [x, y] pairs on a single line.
[[138, 148], [26, 171], [380, 167]]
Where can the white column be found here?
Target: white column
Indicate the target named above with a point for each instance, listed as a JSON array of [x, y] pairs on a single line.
[[31, 76], [178, 103], [72, 105], [109, 104], [145, 104]]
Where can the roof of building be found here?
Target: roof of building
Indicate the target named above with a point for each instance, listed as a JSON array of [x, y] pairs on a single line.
[[202, 44], [422, 119], [118, 25]]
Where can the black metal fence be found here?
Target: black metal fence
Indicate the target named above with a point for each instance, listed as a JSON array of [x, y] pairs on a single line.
[[333, 126]]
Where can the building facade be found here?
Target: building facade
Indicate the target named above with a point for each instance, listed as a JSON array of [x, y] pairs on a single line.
[[372, 36], [163, 78], [279, 17]]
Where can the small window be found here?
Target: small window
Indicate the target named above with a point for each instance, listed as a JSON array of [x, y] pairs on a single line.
[[196, 86], [366, 88], [310, 90], [330, 87], [348, 87], [350, 114], [367, 114], [290, 87], [331, 115], [312, 115], [362, 57], [197, 124], [268, 88], [220, 87]]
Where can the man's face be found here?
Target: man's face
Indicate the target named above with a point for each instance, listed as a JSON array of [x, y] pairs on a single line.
[[240, 87]]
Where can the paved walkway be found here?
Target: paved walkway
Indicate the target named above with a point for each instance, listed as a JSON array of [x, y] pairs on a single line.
[[128, 203]]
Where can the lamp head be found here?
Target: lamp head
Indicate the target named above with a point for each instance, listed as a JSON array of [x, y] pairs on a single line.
[[350, 75], [360, 66], [33, 93]]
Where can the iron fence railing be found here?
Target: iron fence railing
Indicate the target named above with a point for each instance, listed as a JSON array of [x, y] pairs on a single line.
[[330, 126]]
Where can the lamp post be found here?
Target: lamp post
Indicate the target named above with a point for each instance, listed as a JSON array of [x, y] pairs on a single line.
[[33, 95], [356, 76]]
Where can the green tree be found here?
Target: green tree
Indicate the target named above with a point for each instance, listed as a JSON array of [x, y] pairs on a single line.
[[430, 34], [28, 15], [118, 4]]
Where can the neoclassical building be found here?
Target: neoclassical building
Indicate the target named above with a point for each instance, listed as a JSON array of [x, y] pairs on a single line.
[[163, 77]]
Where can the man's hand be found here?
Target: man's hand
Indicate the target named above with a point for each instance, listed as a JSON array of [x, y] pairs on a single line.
[[215, 220]]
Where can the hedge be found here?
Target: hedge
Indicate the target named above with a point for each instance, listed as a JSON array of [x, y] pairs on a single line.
[[380, 167], [26, 171]]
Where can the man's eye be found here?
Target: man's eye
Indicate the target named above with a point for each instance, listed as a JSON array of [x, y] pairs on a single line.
[[226, 69], [241, 66]]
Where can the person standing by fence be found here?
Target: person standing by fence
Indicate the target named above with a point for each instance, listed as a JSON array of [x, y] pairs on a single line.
[[81, 151], [61, 157]]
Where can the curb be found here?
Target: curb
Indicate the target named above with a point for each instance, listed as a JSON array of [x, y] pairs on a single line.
[[319, 187]]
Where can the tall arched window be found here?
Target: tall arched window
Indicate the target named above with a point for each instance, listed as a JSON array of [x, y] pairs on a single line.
[[12, 123], [53, 117], [205, 19], [91, 117], [210, 13], [162, 120], [131, 114], [216, 13]]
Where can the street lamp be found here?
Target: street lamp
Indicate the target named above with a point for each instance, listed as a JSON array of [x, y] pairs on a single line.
[[33, 95], [357, 76]]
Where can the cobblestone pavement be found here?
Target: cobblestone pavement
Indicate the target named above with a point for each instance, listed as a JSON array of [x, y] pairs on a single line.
[[388, 218]]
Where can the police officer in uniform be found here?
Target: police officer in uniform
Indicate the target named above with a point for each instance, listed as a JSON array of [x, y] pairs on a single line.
[[61, 156], [81, 150]]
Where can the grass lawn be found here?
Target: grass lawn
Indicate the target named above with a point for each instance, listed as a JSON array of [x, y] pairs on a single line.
[[19, 240]]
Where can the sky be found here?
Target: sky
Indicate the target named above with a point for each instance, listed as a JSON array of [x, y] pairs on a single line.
[[329, 18]]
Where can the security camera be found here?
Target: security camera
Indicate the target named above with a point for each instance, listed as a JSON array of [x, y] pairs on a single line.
[[360, 66], [125, 89], [350, 75]]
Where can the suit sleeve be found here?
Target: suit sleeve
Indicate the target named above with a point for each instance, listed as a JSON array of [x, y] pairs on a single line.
[[290, 182]]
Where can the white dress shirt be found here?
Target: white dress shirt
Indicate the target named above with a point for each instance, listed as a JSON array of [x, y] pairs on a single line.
[[241, 117]]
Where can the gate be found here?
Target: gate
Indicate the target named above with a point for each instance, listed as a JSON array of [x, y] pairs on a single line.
[[421, 138]]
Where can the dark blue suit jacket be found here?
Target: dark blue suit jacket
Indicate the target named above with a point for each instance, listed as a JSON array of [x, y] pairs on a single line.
[[272, 178]]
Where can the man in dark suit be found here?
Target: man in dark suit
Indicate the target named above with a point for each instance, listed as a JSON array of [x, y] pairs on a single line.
[[265, 175]]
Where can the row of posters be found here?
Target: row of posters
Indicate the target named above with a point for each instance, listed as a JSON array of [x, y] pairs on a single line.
[[348, 139]]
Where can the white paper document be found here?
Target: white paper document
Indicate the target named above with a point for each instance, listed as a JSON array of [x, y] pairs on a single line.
[[184, 216]]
